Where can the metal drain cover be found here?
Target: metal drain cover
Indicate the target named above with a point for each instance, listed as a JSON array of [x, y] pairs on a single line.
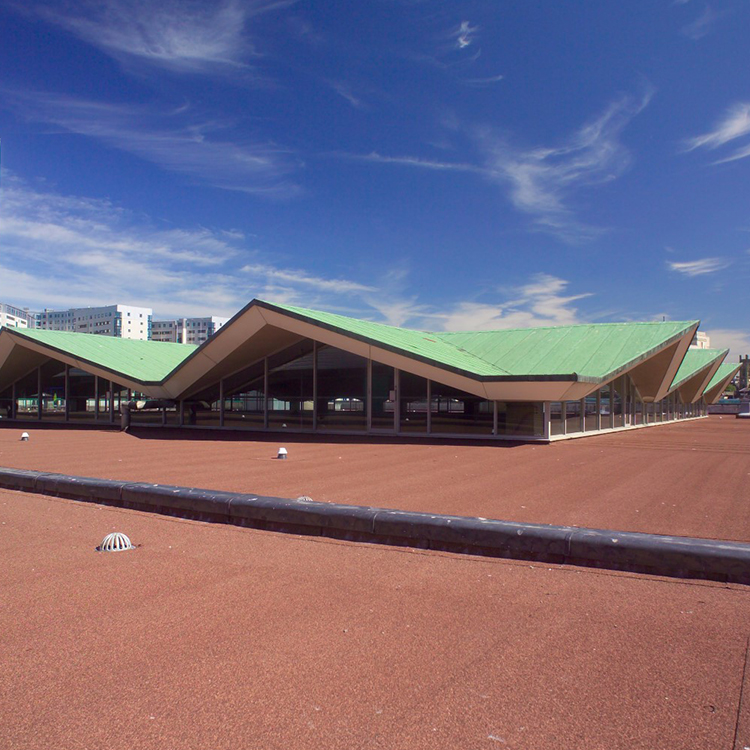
[[115, 543]]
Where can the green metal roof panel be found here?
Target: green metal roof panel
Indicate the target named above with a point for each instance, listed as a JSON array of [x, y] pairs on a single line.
[[423, 344], [592, 351], [144, 361], [725, 371], [584, 352], [695, 361]]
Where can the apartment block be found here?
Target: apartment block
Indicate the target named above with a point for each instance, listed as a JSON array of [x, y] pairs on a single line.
[[121, 321], [701, 341], [186, 330], [15, 317]]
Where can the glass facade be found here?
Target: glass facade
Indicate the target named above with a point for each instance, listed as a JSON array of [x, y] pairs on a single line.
[[454, 412], [311, 386], [290, 396], [383, 399], [618, 404], [341, 390], [412, 402], [556, 418]]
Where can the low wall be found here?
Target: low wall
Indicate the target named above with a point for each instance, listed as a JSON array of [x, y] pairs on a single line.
[[682, 557]]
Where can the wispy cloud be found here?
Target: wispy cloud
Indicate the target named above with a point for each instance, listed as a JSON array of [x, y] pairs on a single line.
[[464, 35], [177, 141], [482, 82], [698, 28], [61, 251], [71, 251], [700, 267], [305, 279], [181, 36], [734, 124], [413, 161], [344, 90], [540, 181], [540, 302]]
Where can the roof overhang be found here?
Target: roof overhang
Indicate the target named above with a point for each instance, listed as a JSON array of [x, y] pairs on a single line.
[[260, 329], [692, 386], [20, 355], [713, 394], [653, 376]]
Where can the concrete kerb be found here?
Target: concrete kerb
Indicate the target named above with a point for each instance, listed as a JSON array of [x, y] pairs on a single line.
[[682, 557]]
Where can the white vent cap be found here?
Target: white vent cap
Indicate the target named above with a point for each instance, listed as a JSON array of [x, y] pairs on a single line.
[[24, 436], [115, 543], [282, 453]]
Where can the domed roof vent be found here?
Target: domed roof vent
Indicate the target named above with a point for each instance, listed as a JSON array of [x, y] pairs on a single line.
[[115, 543]]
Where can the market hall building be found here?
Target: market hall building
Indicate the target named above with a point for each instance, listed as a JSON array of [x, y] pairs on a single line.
[[286, 369]]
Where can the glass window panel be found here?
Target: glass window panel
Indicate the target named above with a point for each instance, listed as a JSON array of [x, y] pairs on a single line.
[[617, 402], [203, 411], [290, 387], [342, 390], [244, 398], [6, 403], [591, 412], [556, 423], [638, 406], [458, 413], [53, 390], [572, 417], [26, 396], [520, 418], [383, 397], [413, 402], [605, 408], [82, 395]]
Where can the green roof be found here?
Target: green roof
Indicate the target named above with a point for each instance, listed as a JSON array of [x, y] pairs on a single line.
[[144, 361], [580, 352], [696, 360], [724, 372]]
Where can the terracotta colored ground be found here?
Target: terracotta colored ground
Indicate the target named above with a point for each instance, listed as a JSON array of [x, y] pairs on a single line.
[[690, 479], [212, 636]]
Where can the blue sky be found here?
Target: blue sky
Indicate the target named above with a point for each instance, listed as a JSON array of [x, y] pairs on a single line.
[[439, 165]]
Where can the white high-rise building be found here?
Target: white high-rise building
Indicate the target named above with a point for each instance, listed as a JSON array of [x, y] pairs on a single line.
[[123, 321], [15, 317], [186, 330], [700, 341]]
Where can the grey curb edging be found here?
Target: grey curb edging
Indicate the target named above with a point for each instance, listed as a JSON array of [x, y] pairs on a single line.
[[682, 557]]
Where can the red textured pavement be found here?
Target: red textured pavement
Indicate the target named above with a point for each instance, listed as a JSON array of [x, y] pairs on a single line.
[[689, 479], [213, 636]]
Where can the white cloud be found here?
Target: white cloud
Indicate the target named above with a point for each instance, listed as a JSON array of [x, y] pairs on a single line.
[[734, 124], [541, 181], [183, 36], [464, 35], [698, 267], [698, 28], [412, 161], [479, 82], [69, 251], [344, 90], [297, 276], [539, 302], [175, 141], [740, 153], [736, 340]]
